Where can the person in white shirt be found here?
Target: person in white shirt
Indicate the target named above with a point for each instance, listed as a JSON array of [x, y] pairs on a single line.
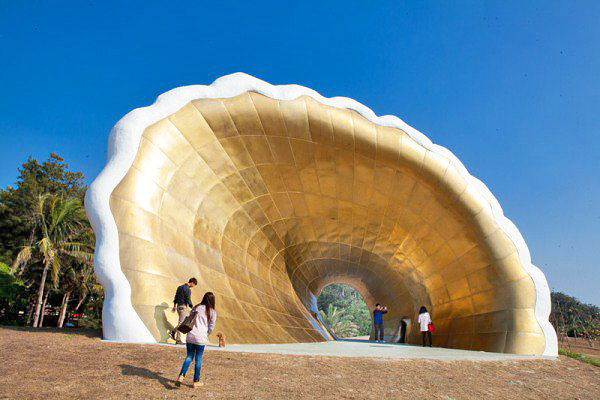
[[424, 320], [196, 339]]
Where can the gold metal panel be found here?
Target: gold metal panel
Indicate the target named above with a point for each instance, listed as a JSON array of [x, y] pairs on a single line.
[[269, 115], [434, 166], [237, 152], [169, 140], [296, 119], [281, 149], [500, 245], [268, 201], [216, 116], [365, 137], [242, 112], [319, 122], [152, 162], [259, 149], [140, 190]]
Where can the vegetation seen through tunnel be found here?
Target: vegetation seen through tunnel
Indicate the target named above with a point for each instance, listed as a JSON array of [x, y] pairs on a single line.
[[344, 311]]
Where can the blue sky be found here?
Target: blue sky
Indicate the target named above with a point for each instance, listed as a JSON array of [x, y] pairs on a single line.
[[511, 87]]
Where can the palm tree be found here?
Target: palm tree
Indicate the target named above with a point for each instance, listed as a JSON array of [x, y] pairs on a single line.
[[79, 279], [337, 322], [58, 224]]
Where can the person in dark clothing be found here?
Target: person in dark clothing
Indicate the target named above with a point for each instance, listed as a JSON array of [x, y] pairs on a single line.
[[378, 321], [181, 302]]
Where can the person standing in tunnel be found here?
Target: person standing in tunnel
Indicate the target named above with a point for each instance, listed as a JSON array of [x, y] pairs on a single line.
[[378, 321], [424, 321], [181, 302]]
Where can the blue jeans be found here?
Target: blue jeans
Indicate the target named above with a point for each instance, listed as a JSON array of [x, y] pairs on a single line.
[[193, 351]]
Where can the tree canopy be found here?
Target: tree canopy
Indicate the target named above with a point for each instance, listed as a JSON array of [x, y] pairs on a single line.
[[51, 176]]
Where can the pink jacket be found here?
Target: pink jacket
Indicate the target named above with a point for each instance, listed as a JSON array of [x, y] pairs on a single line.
[[201, 330]]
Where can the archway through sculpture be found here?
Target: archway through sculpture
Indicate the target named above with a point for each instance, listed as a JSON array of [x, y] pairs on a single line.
[[343, 306], [266, 193]]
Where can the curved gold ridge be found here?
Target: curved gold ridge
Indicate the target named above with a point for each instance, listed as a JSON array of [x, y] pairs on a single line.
[[266, 201]]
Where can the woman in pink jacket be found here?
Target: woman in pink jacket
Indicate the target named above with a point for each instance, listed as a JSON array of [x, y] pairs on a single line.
[[196, 339]]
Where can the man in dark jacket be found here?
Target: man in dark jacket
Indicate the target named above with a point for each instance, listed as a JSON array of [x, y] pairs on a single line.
[[183, 300]]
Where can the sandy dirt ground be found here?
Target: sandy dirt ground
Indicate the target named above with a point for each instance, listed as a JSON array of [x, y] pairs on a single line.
[[583, 346], [53, 365]]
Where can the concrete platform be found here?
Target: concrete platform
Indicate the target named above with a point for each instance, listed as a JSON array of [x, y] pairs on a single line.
[[365, 348]]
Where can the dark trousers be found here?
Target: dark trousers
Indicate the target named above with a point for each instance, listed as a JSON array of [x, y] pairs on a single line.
[[378, 331], [427, 333]]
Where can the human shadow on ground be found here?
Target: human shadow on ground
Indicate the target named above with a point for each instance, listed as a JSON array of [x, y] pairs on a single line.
[[146, 373]]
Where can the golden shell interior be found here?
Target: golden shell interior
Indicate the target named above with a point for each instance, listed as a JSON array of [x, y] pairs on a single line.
[[268, 201]]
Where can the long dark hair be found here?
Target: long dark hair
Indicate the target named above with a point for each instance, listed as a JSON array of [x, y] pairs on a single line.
[[423, 310], [208, 301]]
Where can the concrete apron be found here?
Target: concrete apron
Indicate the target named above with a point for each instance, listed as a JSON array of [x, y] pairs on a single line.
[[365, 348]]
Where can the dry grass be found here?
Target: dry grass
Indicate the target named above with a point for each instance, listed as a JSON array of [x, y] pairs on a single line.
[[50, 365]]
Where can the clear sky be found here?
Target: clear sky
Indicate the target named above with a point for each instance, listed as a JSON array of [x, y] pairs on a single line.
[[511, 87]]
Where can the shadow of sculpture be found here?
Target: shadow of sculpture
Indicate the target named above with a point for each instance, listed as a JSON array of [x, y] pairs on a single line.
[[162, 324], [146, 373]]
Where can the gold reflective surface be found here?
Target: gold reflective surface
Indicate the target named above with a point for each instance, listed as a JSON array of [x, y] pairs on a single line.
[[268, 201]]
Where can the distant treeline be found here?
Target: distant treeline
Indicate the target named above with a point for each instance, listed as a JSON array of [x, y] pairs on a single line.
[[572, 318]]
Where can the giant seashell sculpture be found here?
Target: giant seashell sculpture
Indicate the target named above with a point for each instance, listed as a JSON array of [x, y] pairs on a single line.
[[266, 194]]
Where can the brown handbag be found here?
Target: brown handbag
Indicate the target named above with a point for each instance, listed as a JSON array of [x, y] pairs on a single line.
[[188, 323]]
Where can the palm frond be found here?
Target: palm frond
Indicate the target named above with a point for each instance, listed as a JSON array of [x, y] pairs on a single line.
[[82, 256], [46, 246], [22, 258]]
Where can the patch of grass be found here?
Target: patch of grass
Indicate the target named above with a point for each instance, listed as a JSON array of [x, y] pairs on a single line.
[[580, 357]]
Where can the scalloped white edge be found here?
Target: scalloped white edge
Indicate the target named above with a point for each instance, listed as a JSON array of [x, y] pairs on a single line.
[[119, 319]]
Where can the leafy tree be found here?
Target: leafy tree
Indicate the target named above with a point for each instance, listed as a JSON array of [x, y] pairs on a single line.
[[58, 224], [22, 231], [51, 176]]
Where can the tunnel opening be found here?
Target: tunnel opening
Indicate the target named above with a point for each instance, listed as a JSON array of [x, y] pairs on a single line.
[[344, 311]]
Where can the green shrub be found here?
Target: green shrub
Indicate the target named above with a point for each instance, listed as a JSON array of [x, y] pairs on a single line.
[[91, 323], [12, 296]]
